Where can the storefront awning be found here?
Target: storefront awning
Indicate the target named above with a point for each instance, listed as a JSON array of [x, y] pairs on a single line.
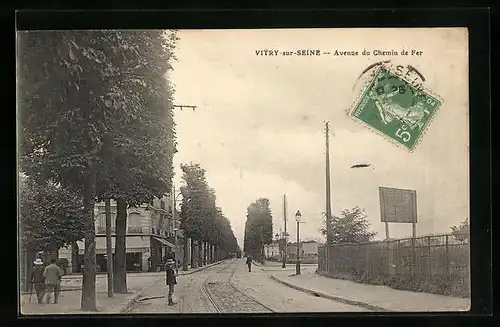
[[164, 242], [133, 244]]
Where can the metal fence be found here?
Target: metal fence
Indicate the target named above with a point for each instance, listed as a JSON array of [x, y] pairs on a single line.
[[436, 264]]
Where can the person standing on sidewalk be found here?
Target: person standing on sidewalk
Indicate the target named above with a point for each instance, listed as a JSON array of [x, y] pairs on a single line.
[[52, 274], [37, 280], [170, 280], [249, 263]]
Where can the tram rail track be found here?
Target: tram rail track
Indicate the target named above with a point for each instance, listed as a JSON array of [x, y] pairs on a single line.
[[225, 297]]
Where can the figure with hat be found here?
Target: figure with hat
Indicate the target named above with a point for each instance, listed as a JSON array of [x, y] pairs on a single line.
[[37, 280], [170, 280], [249, 263]]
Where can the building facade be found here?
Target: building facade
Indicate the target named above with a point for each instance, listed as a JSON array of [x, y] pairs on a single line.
[[307, 249], [272, 250], [152, 236]]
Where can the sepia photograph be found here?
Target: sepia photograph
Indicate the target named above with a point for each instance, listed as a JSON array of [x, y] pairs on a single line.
[[243, 171]]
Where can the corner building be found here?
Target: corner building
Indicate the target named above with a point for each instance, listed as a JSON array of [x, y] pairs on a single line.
[[150, 239]]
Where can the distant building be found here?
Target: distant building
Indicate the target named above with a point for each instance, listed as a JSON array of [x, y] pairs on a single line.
[[150, 237], [272, 250], [307, 248]]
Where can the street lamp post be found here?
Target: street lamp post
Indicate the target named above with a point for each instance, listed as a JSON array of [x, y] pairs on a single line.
[[277, 235], [174, 211], [297, 265], [175, 247]]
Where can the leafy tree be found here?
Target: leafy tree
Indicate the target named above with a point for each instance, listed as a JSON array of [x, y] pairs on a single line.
[[258, 227], [50, 215], [62, 122], [461, 232], [139, 168], [352, 226], [225, 239], [84, 106], [200, 218]]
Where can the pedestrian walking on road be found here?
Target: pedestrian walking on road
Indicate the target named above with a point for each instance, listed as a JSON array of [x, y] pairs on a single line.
[[249, 263], [171, 280], [53, 275], [37, 280]]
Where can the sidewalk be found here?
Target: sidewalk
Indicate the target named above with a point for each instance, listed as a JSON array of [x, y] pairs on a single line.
[[74, 282], [277, 266], [372, 297], [69, 303], [70, 295]]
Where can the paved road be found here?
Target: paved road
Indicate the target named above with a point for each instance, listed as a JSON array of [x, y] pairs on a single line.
[[230, 288]]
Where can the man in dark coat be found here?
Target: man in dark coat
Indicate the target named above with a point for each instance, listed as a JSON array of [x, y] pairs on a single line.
[[37, 279], [249, 263], [171, 280]]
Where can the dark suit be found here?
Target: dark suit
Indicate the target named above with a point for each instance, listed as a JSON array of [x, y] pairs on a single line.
[[38, 281], [249, 263], [170, 280]]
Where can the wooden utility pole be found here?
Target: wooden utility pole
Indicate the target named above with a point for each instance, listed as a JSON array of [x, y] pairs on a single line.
[[284, 235], [328, 195]]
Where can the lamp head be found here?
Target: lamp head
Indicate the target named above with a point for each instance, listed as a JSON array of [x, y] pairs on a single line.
[[298, 215]]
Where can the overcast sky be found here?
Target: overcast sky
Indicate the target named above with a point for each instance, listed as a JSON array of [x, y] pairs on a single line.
[[259, 126]]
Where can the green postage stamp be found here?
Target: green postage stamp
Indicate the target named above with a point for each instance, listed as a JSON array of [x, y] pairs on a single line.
[[392, 106]]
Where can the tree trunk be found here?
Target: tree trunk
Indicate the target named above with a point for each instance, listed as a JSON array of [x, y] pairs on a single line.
[[193, 254], [200, 259], [210, 253], [74, 258], [185, 257], [29, 257], [109, 247], [88, 302], [120, 262], [204, 253]]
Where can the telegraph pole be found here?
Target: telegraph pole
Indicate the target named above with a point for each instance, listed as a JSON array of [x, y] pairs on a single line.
[[284, 235], [328, 195]]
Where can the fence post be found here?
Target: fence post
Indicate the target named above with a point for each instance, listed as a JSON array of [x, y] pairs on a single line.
[[429, 259], [320, 258], [390, 258], [413, 257], [327, 257], [398, 258], [447, 260]]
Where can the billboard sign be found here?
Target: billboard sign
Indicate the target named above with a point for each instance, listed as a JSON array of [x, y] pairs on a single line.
[[398, 205]]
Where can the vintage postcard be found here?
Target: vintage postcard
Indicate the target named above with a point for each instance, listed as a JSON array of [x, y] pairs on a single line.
[[243, 171]]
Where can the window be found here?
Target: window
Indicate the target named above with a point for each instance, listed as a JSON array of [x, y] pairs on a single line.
[[134, 222], [102, 221]]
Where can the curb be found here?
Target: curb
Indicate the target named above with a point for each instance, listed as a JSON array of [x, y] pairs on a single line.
[[332, 297], [189, 272], [136, 296]]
